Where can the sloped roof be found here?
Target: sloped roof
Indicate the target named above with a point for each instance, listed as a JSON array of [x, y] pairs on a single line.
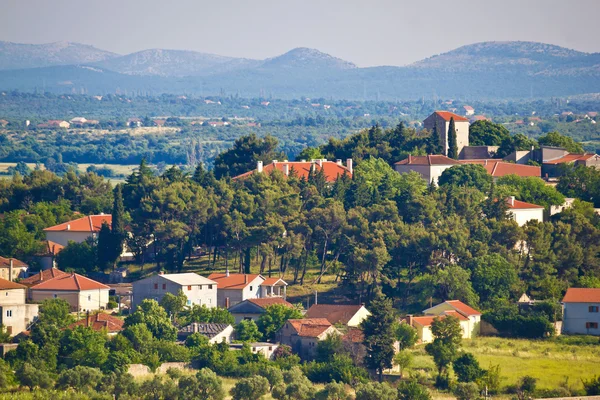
[[188, 278], [269, 301], [42, 276], [432, 159], [468, 108], [257, 306], [463, 308], [520, 205], [53, 247], [5, 263], [69, 282], [273, 281], [446, 115], [428, 319], [582, 295], [100, 321], [334, 313], [331, 169], [569, 158], [310, 327], [354, 335], [207, 329], [498, 168], [6, 284], [90, 223], [233, 281]]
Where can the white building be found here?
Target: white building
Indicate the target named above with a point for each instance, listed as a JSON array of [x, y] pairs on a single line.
[[15, 315], [470, 319], [523, 212], [78, 230], [581, 311], [198, 289], [216, 333], [440, 120], [235, 288], [430, 167], [82, 294], [252, 309]]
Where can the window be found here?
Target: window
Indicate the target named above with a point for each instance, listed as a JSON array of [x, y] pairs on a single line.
[[591, 325], [210, 287], [200, 287], [164, 286], [189, 302], [9, 313], [250, 288], [90, 298], [189, 287], [55, 296], [156, 286], [593, 308], [7, 293]]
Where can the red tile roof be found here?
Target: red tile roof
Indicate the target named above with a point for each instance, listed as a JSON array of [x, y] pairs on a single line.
[[331, 169], [269, 301], [462, 307], [273, 281], [310, 327], [520, 205], [91, 223], [582, 295], [6, 284], [498, 168], [432, 159], [446, 115], [69, 282], [5, 263], [468, 108], [53, 247], [334, 313], [354, 335], [569, 158], [42, 276], [233, 281], [101, 321], [428, 320]]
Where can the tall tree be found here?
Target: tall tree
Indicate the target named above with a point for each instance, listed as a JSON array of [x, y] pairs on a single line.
[[452, 141], [378, 329], [117, 226], [447, 335]]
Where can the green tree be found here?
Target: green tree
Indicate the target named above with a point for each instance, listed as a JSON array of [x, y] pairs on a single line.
[[216, 315], [518, 142], [78, 257], [452, 140], [244, 154], [335, 391], [7, 376], [530, 189], [174, 304], [469, 175], [467, 369], [118, 234], [467, 391], [151, 314], [274, 318], [80, 378], [403, 359], [412, 390], [309, 153], [406, 336], [204, 385], [296, 386], [33, 377], [273, 374], [250, 388], [555, 139], [375, 391], [378, 329], [447, 335], [487, 133], [247, 331], [493, 277]]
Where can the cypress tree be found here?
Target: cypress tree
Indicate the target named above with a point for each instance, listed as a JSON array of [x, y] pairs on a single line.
[[379, 335], [452, 141], [118, 226]]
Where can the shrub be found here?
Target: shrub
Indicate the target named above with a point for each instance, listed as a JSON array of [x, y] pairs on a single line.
[[467, 368], [466, 391], [375, 391], [592, 386], [412, 390]]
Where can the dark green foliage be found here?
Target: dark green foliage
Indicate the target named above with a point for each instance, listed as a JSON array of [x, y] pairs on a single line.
[[469, 175], [78, 257], [378, 330], [412, 390], [452, 141], [406, 336], [592, 386], [509, 322], [467, 368], [515, 143], [555, 139], [466, 391], [32, 377], [444, 349], [247, 331], [204, 385], [486, 133], [244, 154], [274, 318], [375, 391], [151, 314], [79, 378], [250, 388]]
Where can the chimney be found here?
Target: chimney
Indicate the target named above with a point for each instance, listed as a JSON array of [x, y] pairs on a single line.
[[409, 317], [303, 160], [320, 162], [338, 161], [286, 169], [274, 161], [486, 162], [10, 269], [349, 164], [87, 319], [245, 278], [259, 166], [409, 158], [227, 271], [511, 200], [68, 227], [161, 273]]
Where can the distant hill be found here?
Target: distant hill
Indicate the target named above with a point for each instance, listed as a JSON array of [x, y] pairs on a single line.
[[19, 56], [490, 70]]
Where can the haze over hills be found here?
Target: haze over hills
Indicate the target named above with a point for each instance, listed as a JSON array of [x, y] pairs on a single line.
[[481, 70]]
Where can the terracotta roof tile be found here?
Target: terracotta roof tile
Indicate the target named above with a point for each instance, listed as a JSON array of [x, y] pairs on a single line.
[[54, 248], [432, 159], [100, 321], [520, 205], [5, 263], [233, 281], [69, 282], [209, 330], [334, 313], [41, 276], [269, 301], [354, 335], [582, 295], [463, 308], [446, 115], [498, 168], [6, 284], [90, 223], [310, 327], [331, 169], [569, 158]]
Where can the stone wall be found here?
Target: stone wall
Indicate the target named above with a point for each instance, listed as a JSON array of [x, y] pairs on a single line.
[[141, 370]]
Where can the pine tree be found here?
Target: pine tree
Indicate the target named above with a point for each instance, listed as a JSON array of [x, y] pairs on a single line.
[[452, 141], [433, 144], [378, 329]]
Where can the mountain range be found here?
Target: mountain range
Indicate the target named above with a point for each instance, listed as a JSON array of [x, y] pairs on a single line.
[[477, 71]]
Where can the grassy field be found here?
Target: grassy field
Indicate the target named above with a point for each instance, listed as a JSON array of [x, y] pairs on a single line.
[[552, 361]]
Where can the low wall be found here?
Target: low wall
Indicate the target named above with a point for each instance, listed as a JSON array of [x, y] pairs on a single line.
[[140, 370]]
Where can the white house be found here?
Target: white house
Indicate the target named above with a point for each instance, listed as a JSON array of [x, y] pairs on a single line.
[[265, 348], [440, 120], [82, 294], [235, 288], [15, 314], [338, 314], [216, 333], [581, 311], [198, 289], [430, 167], [469, 110], [469, 318], [523, 212]]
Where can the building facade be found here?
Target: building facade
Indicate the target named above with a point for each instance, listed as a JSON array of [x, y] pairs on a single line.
[[198, 289], [82, 294], [429, 167], [15, 314], [581, 311], [235, 288], [440, 120]]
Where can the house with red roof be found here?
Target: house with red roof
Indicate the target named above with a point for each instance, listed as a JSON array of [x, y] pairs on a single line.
[[469, 110], [339, 314], [469, 318], [332, 170], [551, 166], [440, 120], [302, 335], [273, 287], [15, 314], [82, 294], [252, 309], [235, 288], [77, 230], [430, 167], [523, 212], [11, 269], [581, 311], [101, 322], [499, 168]]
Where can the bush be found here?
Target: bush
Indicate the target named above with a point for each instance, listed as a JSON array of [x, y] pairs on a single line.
[[467, 368], [466, 391], [375, 391], [510, 323], [412, 390], [592, 387], [112, 305]]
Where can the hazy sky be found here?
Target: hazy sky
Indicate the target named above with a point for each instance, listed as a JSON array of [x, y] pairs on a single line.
[[385, 32]]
